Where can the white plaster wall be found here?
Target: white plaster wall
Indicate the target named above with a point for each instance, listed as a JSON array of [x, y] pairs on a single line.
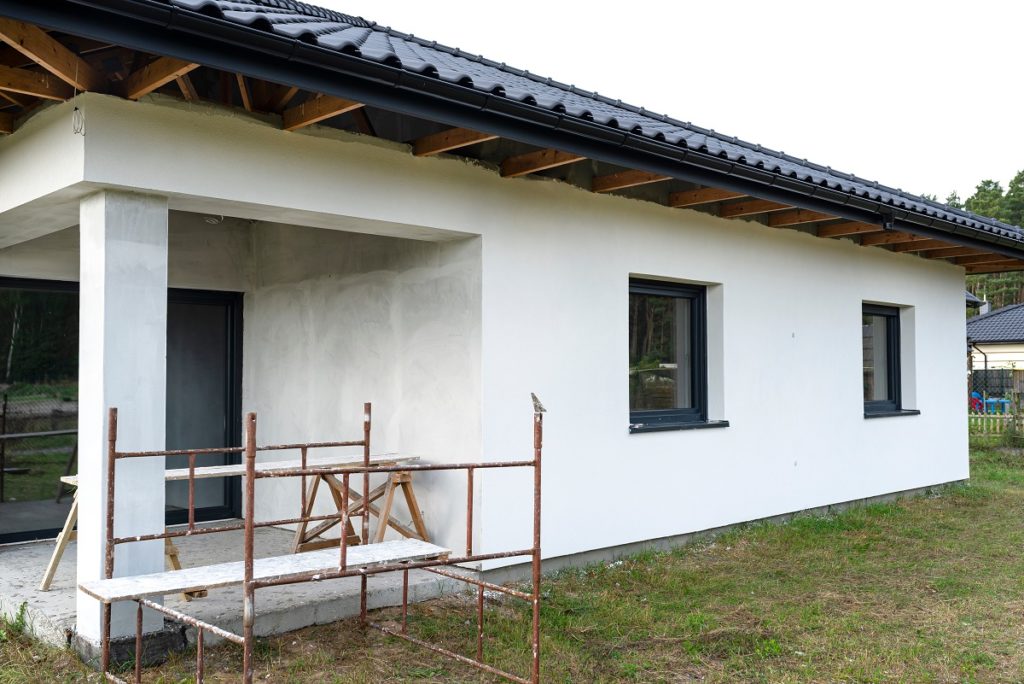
[[338, 319], [555, 263], [555, 322], [200, 255]]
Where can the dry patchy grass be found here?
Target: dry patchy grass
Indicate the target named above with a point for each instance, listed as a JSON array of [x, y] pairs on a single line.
[[925, 590]]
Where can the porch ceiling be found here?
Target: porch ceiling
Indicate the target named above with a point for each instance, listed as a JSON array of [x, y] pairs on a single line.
[[704, 173]]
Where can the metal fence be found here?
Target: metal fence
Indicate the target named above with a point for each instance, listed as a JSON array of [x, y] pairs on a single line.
[[38, 441]]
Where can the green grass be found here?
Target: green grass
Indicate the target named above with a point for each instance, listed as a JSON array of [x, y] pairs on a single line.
[[923, 590]]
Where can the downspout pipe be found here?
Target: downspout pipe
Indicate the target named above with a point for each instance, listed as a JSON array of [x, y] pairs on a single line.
[[154, 26]]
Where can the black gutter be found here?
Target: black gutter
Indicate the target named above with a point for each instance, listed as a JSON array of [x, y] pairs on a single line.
[[152, 26]]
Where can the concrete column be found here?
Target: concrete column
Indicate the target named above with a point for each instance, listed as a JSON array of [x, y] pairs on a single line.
[[122, 364]]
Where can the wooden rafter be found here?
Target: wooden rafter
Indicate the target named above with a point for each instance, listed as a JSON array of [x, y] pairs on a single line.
[[188, 90], [38, 84], [280, 98], [921, 245], [243, 92], [155, 75], [363, 123], [797, 217], [50, 54], [625, 179], [750, 207], [695, 198], [997, 267], [950, 252], [979, 259], [445, 141], [848, 228], [6, 123], [15, 99], [316, 110], [533, 162], [890, 237]]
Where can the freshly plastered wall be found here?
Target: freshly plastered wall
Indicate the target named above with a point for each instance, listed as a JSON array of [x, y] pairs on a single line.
[[785, 369], [338, 319], [553, 266], [201, 255]]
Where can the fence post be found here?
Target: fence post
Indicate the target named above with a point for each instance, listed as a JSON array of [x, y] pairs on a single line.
[[3, 448]]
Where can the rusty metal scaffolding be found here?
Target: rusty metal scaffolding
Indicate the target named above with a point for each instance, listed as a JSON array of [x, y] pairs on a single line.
[[249, 524]]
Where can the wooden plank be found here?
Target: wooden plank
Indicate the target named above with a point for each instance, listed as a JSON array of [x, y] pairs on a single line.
[[50, 54], [848, 228], [797, 217], [750, 208], [39, 84], [451, 139], [890, 237], [979, 259], [363, 123], [997, 267], [922, 245], [625, 179], [188, 91], [6, 123], [275, 567], [238, 469], [279, 100], [154, 75], [243, 91], [695, 198], [949, 252], [316, 110], [533, 162]]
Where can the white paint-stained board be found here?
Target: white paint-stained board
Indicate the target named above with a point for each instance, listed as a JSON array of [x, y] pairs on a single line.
[[228, 574]]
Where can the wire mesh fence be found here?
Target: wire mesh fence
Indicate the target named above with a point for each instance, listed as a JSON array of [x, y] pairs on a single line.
[[38, 440]]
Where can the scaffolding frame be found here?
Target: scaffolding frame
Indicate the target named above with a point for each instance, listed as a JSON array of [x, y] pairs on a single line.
[[250, 584]]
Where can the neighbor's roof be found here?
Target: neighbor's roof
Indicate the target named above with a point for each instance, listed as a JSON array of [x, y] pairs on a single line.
[[403, 68], [972, 300], [1002, 325]]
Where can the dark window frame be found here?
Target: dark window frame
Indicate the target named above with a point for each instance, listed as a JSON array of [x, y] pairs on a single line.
[[679, 418], [893, 405]]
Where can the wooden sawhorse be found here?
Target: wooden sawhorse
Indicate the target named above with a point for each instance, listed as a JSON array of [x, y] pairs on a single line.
[[310, 539], [68, 534]]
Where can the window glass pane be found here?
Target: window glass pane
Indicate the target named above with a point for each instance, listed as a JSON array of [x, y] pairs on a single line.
[[660, 353], [876, 361]]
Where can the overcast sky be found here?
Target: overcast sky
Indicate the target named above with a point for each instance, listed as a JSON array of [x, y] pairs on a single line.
[[923, 96]]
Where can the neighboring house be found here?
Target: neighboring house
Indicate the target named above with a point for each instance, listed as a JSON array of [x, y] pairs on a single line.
[[972, 301], [996, 339], [720, 332]]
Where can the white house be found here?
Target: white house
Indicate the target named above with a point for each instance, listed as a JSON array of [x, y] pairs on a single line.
[[720, 332]]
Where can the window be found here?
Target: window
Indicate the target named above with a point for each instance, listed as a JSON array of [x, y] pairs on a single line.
[[667, 356], [881, 333]]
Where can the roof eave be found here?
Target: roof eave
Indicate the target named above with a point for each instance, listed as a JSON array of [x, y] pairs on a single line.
[[156, 27]]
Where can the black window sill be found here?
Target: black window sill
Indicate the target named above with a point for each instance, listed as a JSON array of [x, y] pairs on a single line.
[[890, 414], [665, 427]]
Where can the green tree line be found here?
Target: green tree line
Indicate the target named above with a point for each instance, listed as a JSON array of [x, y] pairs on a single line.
[[1007, 205]]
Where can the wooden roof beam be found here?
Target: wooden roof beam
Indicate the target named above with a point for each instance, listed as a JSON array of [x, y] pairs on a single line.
[[188, 91], [6, 123], [997, 267], [848, 228], [280, 97], [243, 92], [155, 75], [316, 110], [532, 162], [950, 252], [38, 84], [974, 260], [750, 207], [695, 198], [445, 141], [50, 54], [890, 237], [625, 179], [922, 245], [797, 217]]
